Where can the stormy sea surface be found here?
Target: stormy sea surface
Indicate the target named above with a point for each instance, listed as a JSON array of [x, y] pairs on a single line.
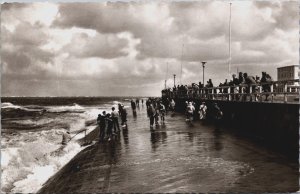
[[32, 131]]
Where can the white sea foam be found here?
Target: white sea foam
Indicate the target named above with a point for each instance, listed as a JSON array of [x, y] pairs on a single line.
[[34, 122], [75, 107], [6, 105], [26, 159], [28, 165]]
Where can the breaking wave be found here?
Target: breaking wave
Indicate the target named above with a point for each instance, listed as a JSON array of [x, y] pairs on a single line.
[[30, 158]]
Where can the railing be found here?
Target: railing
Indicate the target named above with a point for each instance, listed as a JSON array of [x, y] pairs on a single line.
[[276, 90]]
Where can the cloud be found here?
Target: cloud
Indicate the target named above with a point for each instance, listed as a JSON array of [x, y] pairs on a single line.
[[21, 48], [123, 47], [104, 46]]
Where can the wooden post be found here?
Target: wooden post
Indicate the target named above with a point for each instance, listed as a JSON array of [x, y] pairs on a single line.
[[260, 95], [285, 91], [272, 95]]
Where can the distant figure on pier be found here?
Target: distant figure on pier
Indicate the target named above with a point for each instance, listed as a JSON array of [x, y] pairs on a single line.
[[101, 124], [172, 105], [137, 101], [225, 90], [216, 112], [162, 112], [124, 117], [120, 109], [209, 91], [109, 122], [114, 117], [133, 106], [202, 111], [234, 87], [190, 112], [250, 80], [266, 81], [142, 101], [241, 78], [151, 112], [157, 112]]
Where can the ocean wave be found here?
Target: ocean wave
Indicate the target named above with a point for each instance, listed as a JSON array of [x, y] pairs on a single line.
[[74, 108], [30, 158], [8, 105], [33, 122], [31, 162]]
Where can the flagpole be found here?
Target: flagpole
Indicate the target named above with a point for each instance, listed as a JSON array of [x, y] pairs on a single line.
[[166, 76], [181, 63], [229, 64]]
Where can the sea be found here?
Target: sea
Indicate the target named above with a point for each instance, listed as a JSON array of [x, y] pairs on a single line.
[[32, 129]]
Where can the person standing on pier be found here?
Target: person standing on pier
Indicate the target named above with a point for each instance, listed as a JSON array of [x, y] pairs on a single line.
[[101, 123], [109, 122], [172, 105], [202, 111], [266, 81], [216, 112], [124, 117], [157, 110], [120, 109], [133, 106], [162, 112], [151, 112], [234, 89], [114, 116], [190, 112]]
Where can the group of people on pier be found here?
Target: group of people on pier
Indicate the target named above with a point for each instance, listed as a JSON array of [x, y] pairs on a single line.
[[109, 123], [234, 90], [191, 111], [155, 110]]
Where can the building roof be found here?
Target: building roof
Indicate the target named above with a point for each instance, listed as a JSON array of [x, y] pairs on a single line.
[[287, 66]]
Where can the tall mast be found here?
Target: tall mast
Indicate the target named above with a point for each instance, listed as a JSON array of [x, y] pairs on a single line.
[[229, 64], [166, 76], [181, 62]]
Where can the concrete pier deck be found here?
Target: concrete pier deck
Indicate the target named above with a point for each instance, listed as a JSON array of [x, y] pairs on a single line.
[[175, 157]]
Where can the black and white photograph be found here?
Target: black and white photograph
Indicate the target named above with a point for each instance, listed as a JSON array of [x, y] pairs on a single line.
[[150, 97]]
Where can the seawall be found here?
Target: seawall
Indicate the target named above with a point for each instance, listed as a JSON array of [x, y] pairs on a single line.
[[275, 125]]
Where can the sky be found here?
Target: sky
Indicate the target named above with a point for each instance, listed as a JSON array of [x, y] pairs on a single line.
[[131, 48]]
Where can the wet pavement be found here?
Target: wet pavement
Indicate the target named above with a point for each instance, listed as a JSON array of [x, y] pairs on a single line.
[[175, 157]]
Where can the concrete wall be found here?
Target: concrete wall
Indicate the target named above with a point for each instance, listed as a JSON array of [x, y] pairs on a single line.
[[274, 124]]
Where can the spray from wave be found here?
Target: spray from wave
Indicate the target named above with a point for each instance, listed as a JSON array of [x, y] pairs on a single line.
[[30, 158]]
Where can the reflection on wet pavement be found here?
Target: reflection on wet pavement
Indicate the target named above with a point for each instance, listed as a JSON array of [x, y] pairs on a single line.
[[176, 157]]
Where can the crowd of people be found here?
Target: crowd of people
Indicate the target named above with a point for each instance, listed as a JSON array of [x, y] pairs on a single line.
[[109, 122], [157, 109], [191, 112], [233, 89]]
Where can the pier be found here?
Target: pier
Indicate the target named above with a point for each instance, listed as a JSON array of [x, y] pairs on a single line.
[[274, 121], [176, 157]]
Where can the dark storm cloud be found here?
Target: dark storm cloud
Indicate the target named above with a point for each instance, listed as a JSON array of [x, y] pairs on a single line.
[[10, 6], [103, 17], [21, 47], [122, 48]]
